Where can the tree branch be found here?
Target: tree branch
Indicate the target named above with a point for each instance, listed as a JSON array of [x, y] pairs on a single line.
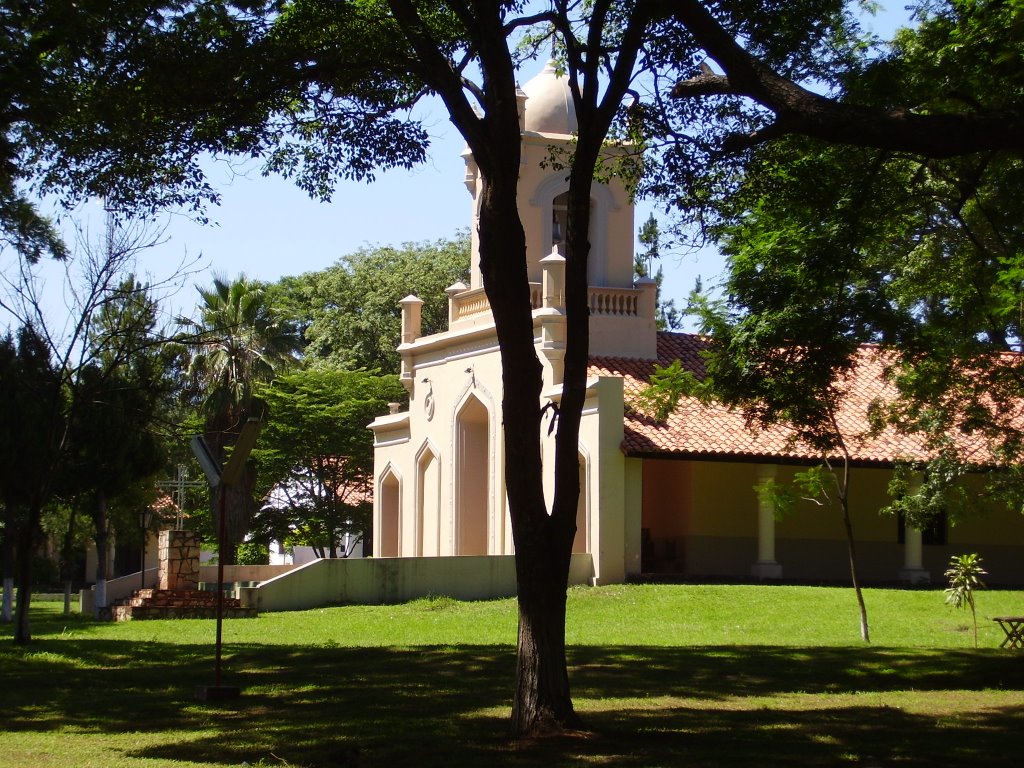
[[802, 112]]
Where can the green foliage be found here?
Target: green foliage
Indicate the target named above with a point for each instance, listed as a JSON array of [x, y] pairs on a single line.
[[26, 230], [313, 89], [964, 574], [135, 94], [922, 491], [817, 485], [667, 317], [315, 454], [353, 311], [238, 340], [114, 448], [111, 446], [668, 385], [252, 553], [830, 247], [33, 418]]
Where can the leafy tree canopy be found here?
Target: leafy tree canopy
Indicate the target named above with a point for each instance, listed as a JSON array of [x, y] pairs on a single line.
[[315, 454], [354, 317], [240, 338]]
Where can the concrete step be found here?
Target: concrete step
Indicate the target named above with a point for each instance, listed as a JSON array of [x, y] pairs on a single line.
[[143, 612], [170, 604]]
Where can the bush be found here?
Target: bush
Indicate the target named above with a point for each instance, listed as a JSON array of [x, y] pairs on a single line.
[[252, 553]]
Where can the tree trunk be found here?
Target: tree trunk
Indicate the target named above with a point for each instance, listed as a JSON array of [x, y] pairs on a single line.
[[542, 702], [102, 536], [27, 540], [66, 553], [543, 542], [851, 551], [6, 613], [239, 508], [22, 629], [7, 556]]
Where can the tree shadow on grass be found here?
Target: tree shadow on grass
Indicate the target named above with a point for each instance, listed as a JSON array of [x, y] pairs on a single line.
[[448, 706]]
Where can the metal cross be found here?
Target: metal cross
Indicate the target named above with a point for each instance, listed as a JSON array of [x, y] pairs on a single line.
[[178, 486]]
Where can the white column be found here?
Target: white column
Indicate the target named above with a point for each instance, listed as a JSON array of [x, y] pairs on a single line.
[[453, 292], [412, 326], [766, 566], [911, 547], [913, 571]]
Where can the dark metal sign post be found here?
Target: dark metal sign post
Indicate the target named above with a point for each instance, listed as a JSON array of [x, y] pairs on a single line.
[[221, 479]]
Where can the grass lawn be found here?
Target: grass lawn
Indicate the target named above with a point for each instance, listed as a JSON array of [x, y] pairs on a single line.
[[667, 675]]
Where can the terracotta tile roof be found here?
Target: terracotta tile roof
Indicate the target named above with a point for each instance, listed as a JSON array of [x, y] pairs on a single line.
[[163, 504], [695, 430]]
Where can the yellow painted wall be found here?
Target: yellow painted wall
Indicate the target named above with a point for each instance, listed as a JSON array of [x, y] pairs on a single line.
[[724, 503], [667, 492], [990, 524], [867, 495]]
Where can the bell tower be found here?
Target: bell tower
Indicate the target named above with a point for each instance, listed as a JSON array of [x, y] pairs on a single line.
[[548, 123], [621, 310]]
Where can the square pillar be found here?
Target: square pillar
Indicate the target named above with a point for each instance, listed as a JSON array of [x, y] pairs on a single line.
[[179, 560]]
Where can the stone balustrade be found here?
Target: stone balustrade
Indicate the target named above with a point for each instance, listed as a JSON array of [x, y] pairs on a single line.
[[619, 302]]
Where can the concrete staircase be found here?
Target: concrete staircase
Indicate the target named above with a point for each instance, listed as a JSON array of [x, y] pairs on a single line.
[[177, 604]]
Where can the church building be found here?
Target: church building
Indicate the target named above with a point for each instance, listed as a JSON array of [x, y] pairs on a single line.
[[674, 498]]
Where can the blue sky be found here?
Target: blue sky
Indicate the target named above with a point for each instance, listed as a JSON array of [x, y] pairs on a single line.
[[268, 228]]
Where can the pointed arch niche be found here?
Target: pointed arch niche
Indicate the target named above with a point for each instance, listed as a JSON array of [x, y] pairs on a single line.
[[428, 502], [389, 535], [472, 477]]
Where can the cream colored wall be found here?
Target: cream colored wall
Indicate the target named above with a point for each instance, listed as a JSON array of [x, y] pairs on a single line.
[[709, 498], [605, 429], [394, 580], [450, 375], [989, 524], [152, 556], [810, 541], [428, 501], [633, 516], [667, 498]]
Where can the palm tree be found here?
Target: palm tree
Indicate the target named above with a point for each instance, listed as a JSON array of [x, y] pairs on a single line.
[[964, 574], [238, 340]]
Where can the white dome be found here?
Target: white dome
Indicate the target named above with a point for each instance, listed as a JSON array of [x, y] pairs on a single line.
[[549, 106]]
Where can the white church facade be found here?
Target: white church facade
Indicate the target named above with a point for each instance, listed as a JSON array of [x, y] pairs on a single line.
[[674, 497]]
